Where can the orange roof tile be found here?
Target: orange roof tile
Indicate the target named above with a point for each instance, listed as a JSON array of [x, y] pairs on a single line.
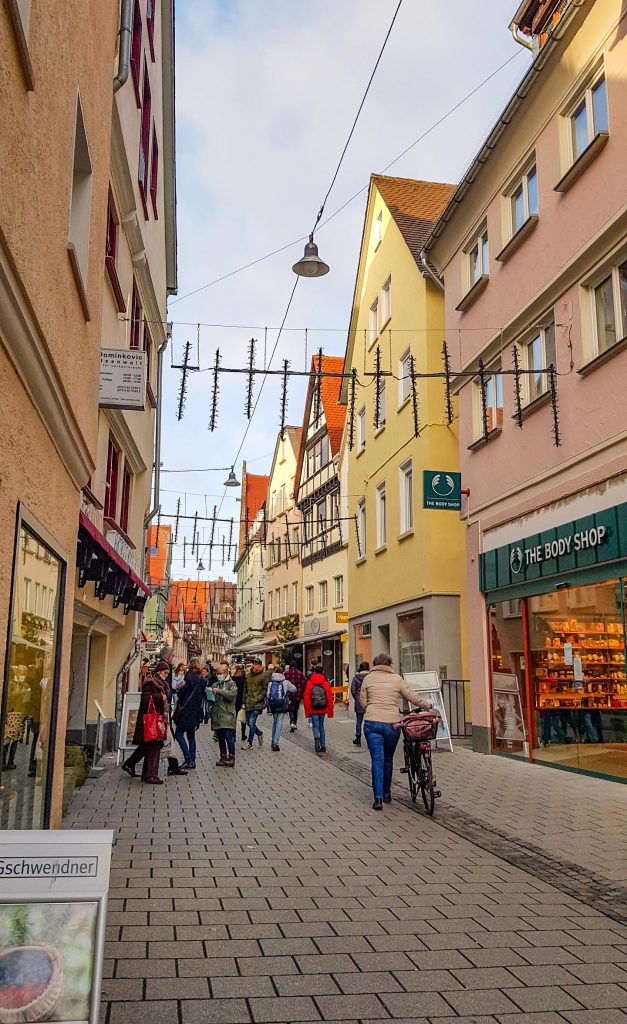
[[330, 387], [414, 205]]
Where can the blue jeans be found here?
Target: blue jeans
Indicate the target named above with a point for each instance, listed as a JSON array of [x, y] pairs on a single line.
[[359, 715], [251, 722], [188, 746], [382, 740], [278, 717], [317, 726]]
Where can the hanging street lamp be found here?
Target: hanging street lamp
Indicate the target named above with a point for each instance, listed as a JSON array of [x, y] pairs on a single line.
[[232, 480], [311, 265]]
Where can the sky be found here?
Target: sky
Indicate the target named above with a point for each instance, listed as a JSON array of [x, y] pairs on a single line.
[[266, 93]]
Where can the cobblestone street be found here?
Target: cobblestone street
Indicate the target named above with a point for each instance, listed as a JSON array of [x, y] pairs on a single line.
[[274, 893]]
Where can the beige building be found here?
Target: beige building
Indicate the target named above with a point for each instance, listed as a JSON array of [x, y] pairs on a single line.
[[324, 535], [87, 251], [248, 637], [138, 272], [55, 126], [282, 551]]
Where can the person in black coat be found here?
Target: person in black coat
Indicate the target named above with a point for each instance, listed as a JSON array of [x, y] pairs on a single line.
[[188, 712], [154, 688], [239, 677]]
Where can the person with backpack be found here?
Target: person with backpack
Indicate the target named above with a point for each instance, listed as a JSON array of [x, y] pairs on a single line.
[[360, 710], [277, 699], [294, 675], [318, 701]]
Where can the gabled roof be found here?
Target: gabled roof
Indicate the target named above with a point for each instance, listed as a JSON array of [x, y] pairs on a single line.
[[334, 413], [158, 556], [191, 596], [254, 493], [293, 436], [414, 205]]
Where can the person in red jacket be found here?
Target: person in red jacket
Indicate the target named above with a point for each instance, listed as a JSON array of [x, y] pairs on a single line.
[[318, 701]]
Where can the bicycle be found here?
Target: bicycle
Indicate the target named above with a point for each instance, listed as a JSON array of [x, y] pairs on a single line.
[[418, 732]]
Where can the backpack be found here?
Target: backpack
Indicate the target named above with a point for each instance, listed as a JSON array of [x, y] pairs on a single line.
[[277, 700], [318, 698]]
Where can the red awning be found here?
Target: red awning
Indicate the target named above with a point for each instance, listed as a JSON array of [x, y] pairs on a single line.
[[111, 553]]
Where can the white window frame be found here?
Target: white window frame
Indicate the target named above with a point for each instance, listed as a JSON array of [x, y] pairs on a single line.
[[338, 584], [406, 497], [386, 301], [404, 382], [323, 595], [309, 600], [613, 272], [295, 597], [269, 608], [286, 599], [481, 242], [522, 183], [373, 322], [361, 529], [492, 372], [584, 94], [543, 334], [361, 429], [381, 515]]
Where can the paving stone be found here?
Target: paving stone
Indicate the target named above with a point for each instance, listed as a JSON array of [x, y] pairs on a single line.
[[485, 977], [549, 997], [591, 974], [320, 964], [548, 1017], [270, 965], [413, 1004], [116, 989], [485, 1000], [214, 1011], [552, 974], [426, 981], [177, 988], [278, 1010], [371, 981], [207, 967], [595, 1016], [364, 1006], [599, 997], [145, 1013], [230, 988], [314, 984]]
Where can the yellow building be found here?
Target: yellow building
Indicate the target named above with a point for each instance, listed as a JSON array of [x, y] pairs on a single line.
[[282, 549], [406, 574]]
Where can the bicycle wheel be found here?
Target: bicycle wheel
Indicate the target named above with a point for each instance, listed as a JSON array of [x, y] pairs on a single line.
[[427, 782], [410, 767]]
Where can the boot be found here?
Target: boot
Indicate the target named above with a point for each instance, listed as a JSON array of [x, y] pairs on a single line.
[[357, 741], [230, 762], [317, 746]]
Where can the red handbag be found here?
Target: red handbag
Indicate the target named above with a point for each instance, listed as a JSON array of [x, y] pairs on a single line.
[[155, 726]]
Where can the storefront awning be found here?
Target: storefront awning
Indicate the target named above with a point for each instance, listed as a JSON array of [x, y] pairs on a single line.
[[97, 560], [312, 638]]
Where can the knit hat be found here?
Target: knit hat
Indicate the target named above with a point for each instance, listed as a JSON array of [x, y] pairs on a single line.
[[161, 666]]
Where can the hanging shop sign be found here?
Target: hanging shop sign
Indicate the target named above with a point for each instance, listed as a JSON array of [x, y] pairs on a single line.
[[341, 617], [122, 378], [53, 893], [442, 490], [581, 543]]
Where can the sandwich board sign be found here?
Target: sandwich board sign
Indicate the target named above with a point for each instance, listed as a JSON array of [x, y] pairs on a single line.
[[53, 897], [428, 688]]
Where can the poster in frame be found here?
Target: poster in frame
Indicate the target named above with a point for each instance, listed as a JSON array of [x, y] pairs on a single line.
[[130, 709], [428, 687]]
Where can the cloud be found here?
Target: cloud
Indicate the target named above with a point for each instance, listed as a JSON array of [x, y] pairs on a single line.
[[266, 94]]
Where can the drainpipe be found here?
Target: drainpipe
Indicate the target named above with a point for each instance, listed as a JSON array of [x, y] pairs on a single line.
[[124, 54], [425, 265], [522, 40]]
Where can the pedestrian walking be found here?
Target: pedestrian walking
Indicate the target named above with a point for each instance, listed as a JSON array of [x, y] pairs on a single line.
[[318, 701], [154, 700], [223, 716], [238, 674], [294, 675], [255, 690], [379, 695], [189, 712], [356, 684], [167, 655], [277, 697]]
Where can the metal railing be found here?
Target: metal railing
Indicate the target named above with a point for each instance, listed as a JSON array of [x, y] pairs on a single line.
[[456, 697]]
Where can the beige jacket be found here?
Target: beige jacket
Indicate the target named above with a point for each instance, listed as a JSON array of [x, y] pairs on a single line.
[[380, 693]]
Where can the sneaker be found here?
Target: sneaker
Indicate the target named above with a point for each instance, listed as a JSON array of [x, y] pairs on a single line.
[[292, 728], [387, 799], [275, 746], [377, 805], [323, 750], [317, 746], [260, 739], [188, 765], [245, 744], [248, 746]]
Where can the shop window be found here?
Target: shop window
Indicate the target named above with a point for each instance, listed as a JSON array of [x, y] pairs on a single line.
[[411, 642], [28, 707], [579, 679], [509, 702]]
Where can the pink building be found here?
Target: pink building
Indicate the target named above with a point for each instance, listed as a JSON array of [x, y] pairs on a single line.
[[532, 250]]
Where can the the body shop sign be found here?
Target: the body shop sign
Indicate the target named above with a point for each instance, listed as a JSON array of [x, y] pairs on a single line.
[[579, 544]]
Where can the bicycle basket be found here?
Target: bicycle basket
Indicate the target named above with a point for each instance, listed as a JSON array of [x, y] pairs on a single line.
[[423, 726]]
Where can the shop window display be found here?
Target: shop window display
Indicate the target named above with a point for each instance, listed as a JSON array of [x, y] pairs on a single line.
[[579, 677], [509, 705], [411, 642], [27, 718]]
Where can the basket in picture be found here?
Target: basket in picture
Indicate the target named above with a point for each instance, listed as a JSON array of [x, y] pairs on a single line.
[[31, 983], [422, 726]]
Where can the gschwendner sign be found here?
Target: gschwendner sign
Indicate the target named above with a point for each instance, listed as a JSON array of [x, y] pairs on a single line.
[[521, 557]]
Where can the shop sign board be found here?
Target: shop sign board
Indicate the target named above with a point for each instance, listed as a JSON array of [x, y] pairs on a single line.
[[53, 894], [130, 710], [442, 490], [122, 378], [341, 617], [578, 544]]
